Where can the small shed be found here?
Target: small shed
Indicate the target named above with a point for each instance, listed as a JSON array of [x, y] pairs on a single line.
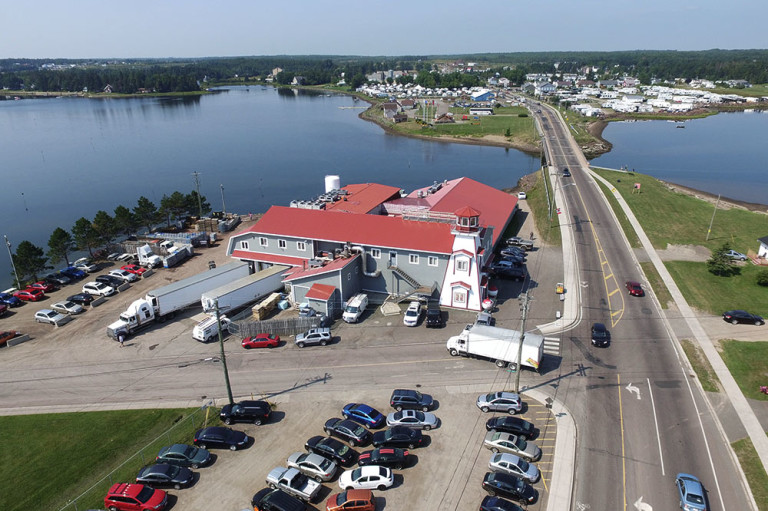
[[322, 298], [762, 252]]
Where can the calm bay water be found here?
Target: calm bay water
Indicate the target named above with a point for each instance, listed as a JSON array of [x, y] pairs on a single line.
[[722, 154], [65, 158]]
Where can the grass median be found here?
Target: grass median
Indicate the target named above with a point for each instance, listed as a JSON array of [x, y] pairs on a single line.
[[753, 470], [58, 457]]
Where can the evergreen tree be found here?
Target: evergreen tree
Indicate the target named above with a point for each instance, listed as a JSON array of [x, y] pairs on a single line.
[[30, 260], [60, 244], [146, 213], [84, 235]]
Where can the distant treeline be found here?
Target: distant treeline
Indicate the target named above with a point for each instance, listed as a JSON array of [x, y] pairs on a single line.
[[184, 75]]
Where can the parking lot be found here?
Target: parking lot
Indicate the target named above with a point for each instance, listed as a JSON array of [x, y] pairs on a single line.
[[444, 474]]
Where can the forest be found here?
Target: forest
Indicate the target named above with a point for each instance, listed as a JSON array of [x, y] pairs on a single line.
[[130, 76]]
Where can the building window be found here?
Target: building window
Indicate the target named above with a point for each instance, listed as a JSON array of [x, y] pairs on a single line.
[[301, 246], [282, 244], [376, 253], [462, 264], [263, 242], [459, 296], [244, 245], [432, 261], [413, 258]]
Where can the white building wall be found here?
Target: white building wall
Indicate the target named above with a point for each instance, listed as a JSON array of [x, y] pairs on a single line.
[[470, 278]]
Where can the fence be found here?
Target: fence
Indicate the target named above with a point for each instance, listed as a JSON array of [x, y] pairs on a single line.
[[180, 432], [281, 327]]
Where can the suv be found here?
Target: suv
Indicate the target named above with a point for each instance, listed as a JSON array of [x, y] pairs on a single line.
[[566, 172], [134, 497], [517, 241], [500, 402], [276, 500], [321, 336], [403, 399], [412, 314], [434, 317], [600, 335], [256, 412]]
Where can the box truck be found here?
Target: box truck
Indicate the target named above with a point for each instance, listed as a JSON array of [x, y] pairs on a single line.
[[355, 308], [499, 345], [164, 302]]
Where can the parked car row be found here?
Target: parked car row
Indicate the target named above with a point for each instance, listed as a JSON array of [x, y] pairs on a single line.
[[512, 471], [172, 469], [302, 479]]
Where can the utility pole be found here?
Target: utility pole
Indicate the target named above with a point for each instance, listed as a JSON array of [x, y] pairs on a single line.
[[197, 188], [223, 206], [223, 356], [13, 265], [524, 302], [713, 216]]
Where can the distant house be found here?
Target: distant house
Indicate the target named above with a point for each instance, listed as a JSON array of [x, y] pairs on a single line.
[[607, 84], [545, 88], [399, 117], [108, 89], [503, 82], [762, 252], [390, 110], [585, 83], [407, 104], [482, 95], [298, 80]]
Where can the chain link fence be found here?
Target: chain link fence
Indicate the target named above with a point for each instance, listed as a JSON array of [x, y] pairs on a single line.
[[181, 432]]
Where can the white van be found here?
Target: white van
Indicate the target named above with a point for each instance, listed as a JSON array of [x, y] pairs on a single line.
[[208, 329], [355, 308]]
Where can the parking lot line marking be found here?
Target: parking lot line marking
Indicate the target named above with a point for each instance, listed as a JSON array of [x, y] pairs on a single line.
[[544, 482]]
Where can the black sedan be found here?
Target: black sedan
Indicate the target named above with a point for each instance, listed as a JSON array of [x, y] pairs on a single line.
[[507, 485], [81, 298], [347, 430], [740, 316], [331, 448], [110, 281], [513, 425], [496, 504], [398, 436], [219, 436], [384, 457], [183, 455], [165, 475]]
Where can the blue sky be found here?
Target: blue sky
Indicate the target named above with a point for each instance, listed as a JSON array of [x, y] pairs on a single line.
[[196, 28]]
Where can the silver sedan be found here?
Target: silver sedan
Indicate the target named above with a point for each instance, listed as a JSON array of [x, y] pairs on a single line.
[[497, 441], [315, 466], [413, 419]]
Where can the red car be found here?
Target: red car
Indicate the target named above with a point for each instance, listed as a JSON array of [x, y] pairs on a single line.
[[3, 308], [134, 497], [261, 341], [42, 286], [7, 336], [635, 289], [134, 268], [29, 295]]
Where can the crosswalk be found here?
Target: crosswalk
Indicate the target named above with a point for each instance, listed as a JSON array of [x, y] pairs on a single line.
[[552, 346]]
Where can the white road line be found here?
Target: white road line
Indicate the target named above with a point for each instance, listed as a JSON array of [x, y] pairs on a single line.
[[656, 421]]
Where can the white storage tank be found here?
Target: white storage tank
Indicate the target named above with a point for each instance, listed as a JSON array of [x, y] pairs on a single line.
[[332, 183]]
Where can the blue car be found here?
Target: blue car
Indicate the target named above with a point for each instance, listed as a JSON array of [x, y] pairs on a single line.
[[73, 273], [364, 415], [10, 300], [691, 493]]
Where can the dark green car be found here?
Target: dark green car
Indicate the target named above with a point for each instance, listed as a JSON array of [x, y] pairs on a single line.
[[183, 455]]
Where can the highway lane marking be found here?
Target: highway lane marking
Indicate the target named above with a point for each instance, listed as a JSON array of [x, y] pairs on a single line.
[[656, 421], [623, 456]]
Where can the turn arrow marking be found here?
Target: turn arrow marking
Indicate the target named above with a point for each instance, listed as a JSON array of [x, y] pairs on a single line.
[[642, 506], [634, 390]]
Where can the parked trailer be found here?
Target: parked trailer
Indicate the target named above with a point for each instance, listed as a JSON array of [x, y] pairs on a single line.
[[182, 253], [186, 238], [241, 292], [165, 301], [499, 345]]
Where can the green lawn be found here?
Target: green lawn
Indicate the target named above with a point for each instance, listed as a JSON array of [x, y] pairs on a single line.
[[549, 231], [658, 285], [753, 470], [715, 294], [57, 457], [701, 366], [747, 363]]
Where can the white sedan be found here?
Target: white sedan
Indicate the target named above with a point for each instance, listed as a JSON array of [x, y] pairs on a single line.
[[85, 264], [67, 307], [369, 477], [98, 288], [123, 275]]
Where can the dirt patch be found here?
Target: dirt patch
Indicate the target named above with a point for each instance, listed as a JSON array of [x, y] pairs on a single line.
[[695, 253], [724, 202]]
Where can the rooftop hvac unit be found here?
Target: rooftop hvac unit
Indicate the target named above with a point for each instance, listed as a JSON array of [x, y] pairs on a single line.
[[294, 204]]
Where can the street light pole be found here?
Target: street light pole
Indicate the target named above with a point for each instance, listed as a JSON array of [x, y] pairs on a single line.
[[223, 356], [223, 206], [13, 265], [524, 309]]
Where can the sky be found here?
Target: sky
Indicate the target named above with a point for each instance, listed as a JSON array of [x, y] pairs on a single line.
[[197, 28]]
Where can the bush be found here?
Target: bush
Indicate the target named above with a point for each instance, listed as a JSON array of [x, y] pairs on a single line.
[[762, 278]]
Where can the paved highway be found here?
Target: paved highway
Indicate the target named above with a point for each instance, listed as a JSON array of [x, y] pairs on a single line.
[[641, 417]]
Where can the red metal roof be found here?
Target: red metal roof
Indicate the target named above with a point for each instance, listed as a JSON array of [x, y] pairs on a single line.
[[268, 258], [362, 198], [495, 207], [334, 265], [357, 229], [322, 292]]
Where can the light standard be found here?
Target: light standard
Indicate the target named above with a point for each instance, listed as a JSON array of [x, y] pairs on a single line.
[[223, 206], [13, 265], [223, 356], [524, 309]]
